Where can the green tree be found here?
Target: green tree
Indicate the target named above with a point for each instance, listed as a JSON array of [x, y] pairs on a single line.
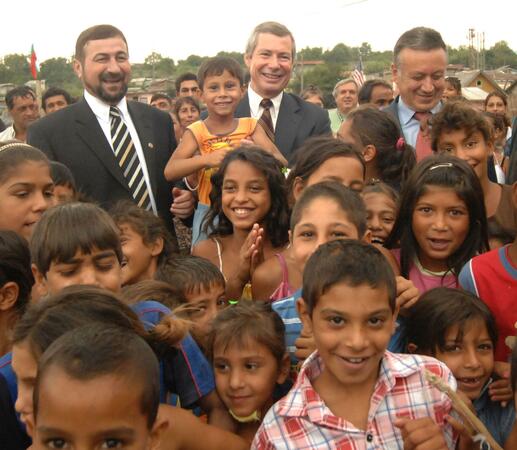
[[500, 55], [311, 54], [340, 54], [235, 55], [16, 69], [458, 55], [324, 76], [57, 72]]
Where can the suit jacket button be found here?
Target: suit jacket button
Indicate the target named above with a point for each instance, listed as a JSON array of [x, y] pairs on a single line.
[[150, 145]]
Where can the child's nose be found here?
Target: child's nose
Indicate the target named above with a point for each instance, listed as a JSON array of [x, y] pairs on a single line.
[[375, 223], [356, 338], [236, 379], [440, 221], [470, 358]]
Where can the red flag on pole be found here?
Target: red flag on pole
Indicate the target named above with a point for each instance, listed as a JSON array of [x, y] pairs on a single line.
[[34, 67]]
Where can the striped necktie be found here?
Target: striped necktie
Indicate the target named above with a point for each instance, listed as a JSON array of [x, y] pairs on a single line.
[[127, 158], [265, 119]]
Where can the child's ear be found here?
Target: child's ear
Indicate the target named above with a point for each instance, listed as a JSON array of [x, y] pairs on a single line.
[[160, 426], [284, 369], [412, 348], [304, 315], [39, 280], [369, 153], [298, 186], [157, 246], [8, 295], [367, 236]]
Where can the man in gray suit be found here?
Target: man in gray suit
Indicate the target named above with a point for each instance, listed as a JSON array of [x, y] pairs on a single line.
[[420, 62], [270, 55]]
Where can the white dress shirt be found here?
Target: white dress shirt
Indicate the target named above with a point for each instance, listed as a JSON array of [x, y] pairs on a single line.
[[256, 110]]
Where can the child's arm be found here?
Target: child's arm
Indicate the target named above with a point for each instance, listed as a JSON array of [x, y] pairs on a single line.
[[261, 139], [187, 432], [182, 163], [217, 413], [407, 293], [265, 279], [421, 434]]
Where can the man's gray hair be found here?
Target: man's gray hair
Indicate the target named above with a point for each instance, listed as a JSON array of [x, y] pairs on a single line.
[[420, 38], [272, 28]]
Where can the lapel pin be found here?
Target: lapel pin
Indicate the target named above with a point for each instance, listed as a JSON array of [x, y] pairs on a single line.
[[150, 145]]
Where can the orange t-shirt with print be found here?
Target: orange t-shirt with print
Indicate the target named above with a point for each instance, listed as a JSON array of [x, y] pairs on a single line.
[[208, 143]]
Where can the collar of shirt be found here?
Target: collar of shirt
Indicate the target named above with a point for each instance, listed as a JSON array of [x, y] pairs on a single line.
[[406, 113], [303, 400], [256, 109], [102, 110]]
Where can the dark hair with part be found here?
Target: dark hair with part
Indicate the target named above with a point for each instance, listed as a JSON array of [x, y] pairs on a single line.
[[274, 28], [95, 351], [378, 187], [394, 158], [188, 76], [458, 115], [446, 172], [18, 92], [216, 66], [365, 93], [499, 122], [276, 221], [95, 33], [419, 38], [248, 322], [185, 274], [67, 228], [15, 266], [14, 153], [180, 101], [346, 261], [349, 201], [311, 91], [498, 94], [313, 153], [444, 308], [144, 223], [53, 92]]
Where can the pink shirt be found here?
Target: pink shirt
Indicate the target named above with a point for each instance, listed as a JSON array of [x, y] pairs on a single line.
[[425, 280], [301, 420]]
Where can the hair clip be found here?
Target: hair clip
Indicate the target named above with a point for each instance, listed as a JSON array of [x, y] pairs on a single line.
[[400, 143], [437, 166], [233, 302], [14, 144]]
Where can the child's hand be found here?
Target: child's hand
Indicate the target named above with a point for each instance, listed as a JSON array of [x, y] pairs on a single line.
[[500, 390], [305, 345], [184, 203], [251, 253], [419, 434], [407, 293], [215, 158], [247, 142]]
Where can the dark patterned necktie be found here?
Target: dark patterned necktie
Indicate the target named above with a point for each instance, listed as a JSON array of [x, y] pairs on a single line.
[[265, 119], [127, 158]]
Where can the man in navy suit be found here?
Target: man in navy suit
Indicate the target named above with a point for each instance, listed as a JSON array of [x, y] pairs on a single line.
[[80, 135], [270, 55]]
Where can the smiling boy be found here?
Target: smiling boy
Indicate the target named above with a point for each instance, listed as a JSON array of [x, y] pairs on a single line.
[[352, 392]]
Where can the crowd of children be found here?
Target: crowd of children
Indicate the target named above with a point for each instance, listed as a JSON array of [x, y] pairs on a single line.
[[323, 309]]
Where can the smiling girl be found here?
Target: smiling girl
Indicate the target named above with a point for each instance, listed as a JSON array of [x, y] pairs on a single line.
[[441, 223]]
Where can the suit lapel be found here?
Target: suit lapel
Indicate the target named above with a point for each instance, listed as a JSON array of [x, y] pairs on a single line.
[[91, 134], [243, 108], [144, 128], [289, 118]]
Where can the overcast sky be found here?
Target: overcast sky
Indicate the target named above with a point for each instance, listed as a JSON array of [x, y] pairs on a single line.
[[177, 28]]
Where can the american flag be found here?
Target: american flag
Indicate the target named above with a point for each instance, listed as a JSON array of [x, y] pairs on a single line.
[[358, 74]]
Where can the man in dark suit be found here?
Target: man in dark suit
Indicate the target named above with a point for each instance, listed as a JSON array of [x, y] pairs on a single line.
[[84, 135], [270, 54], [419, 66]]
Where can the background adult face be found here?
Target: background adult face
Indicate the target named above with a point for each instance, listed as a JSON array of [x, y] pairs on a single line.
[[189, 88], [25, 111], [346, 97], [105, 69], [55, 103], [420, 77], [381, 96], [270, 64]]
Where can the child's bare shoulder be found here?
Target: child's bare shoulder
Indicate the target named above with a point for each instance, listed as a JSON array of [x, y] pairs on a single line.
[[266, 277], [206, 249]]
